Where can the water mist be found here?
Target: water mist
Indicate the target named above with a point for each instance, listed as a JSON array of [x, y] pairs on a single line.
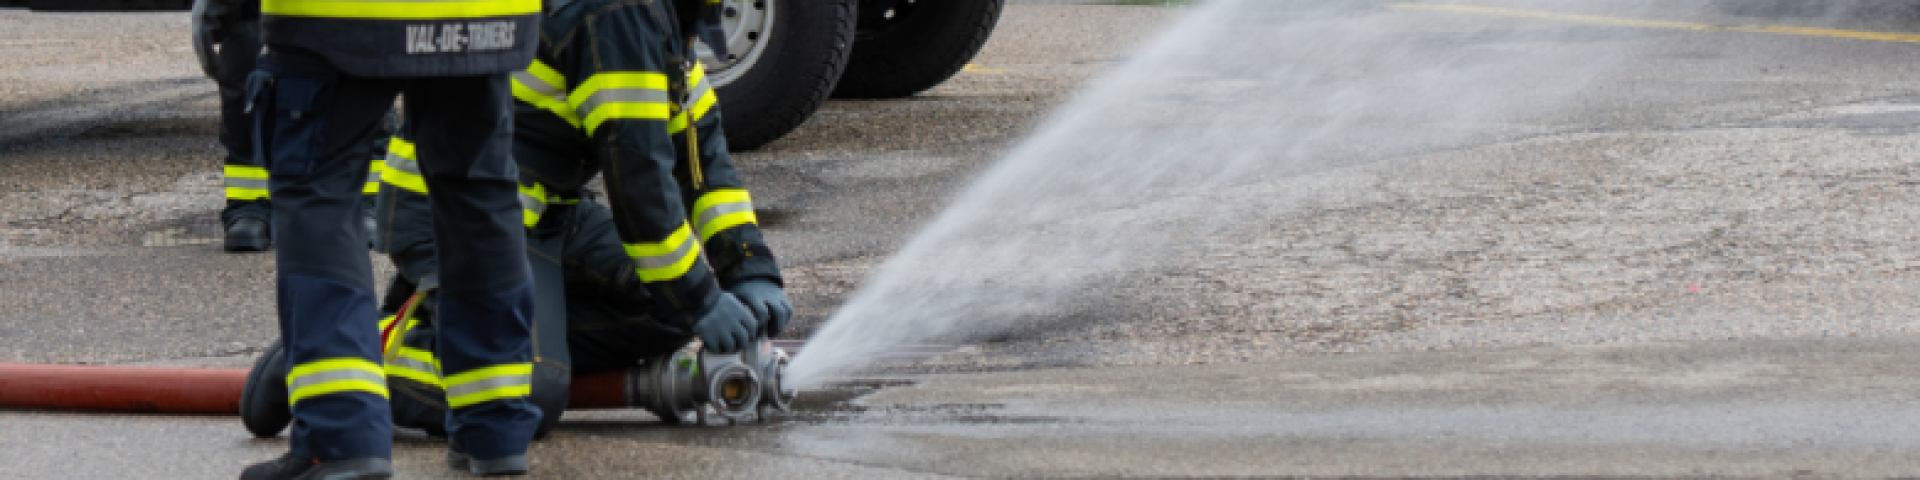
[[1234, 93]]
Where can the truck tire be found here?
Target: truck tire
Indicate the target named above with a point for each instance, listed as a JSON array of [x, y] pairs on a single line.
[[907, 46], [784, 57]]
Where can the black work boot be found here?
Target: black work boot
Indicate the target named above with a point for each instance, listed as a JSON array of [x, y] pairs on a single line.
[[508, 465], [248, 235], [289, 467]]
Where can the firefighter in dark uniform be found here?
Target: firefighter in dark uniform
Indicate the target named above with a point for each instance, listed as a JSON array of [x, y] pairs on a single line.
[[599, 318], [331, 73], [677, 253], [234, 25]]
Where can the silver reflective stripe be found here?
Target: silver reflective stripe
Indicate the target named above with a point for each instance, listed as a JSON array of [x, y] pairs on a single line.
[[614, 95], [699, 90], [668, 260], [540, 86], [402, 164], [716, 211], [411, 363], [489, 383], [533, 205], [247, 183], [316, 378]]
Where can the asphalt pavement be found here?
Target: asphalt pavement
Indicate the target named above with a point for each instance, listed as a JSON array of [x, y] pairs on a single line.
[[1698, 260]]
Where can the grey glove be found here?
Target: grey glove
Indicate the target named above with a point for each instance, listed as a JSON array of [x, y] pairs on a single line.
[[727, 327], [768, 302]]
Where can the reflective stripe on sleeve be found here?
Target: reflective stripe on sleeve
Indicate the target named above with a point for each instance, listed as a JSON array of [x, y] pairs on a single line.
[[400, 9], [621, 95], [497, 382], [335, 375], [721, 209], [542, 86], [246, 183], [668, 259], [403, 170], [533, 203], [373, 177], [700, 99]]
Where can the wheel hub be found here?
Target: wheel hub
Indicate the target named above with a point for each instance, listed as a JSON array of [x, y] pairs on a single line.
[[747, 24]]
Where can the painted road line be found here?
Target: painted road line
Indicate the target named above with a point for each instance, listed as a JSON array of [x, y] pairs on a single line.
[[977, 68], [1669, 25]]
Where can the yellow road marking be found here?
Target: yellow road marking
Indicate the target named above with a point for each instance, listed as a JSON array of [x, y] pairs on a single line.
[[1690, 26], [976, 68]]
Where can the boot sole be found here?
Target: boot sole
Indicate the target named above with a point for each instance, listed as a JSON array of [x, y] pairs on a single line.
[[246, 243], [512, 465]]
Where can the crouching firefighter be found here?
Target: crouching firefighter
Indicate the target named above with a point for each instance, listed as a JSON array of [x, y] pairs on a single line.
[[675, 254]]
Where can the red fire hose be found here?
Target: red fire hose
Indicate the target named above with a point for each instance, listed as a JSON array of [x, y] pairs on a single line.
[[190, 390], [121, 389]]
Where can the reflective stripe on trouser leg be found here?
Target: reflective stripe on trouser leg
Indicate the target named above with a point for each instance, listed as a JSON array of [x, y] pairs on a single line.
[[246, 183], [489, 383], [309, 123], [462, 129], [335, 375], [372, 186], [246, 190]]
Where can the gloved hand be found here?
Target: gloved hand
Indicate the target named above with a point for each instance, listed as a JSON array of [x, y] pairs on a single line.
[[727, 327], [768, 302]]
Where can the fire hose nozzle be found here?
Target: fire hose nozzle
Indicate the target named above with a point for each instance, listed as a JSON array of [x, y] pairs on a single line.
[[772, 362], [733, 386]]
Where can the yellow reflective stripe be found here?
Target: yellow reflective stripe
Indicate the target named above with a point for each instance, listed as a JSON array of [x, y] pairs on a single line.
[[246, 171], [542, 86], [668, 259], [335, 375], [400, 146], [699, 100], [402, 170], [400, 9], [246, 182], [386, 320], [533, 203], [416, 365], [722, 209], [621, 95], [373, 176], [484, 384], [395, 340]]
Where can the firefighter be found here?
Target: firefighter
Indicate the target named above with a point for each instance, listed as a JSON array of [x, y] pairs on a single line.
[[331, 72], [677, 253], [235, 26], [598, 319]]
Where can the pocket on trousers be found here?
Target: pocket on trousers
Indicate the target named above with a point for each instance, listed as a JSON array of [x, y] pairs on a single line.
[[288, 122]]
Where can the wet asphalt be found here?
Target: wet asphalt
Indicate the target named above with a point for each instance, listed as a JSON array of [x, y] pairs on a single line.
[[1704, 266]]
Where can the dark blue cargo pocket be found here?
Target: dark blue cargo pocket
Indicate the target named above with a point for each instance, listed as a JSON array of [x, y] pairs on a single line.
[[288, 122]]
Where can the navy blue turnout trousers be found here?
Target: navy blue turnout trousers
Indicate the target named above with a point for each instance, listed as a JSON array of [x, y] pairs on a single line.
[[314, 124]]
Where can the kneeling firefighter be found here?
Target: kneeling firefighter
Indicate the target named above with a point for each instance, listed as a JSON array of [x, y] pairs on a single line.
[[675, 254]]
